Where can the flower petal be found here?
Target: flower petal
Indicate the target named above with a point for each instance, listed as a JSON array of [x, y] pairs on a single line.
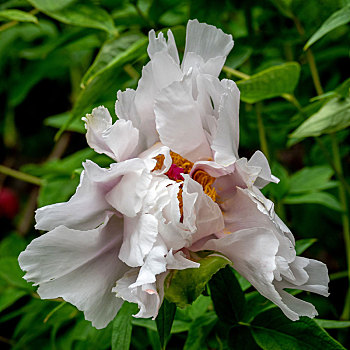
[[145, 296], [79, 266], [180, 127], [207, 42], [140, 233], [88, 204], [117, 141]]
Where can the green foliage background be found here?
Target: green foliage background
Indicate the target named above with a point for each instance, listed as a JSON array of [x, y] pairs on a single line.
[[60, 59]]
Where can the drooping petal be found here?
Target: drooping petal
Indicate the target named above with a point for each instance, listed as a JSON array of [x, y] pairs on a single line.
[[86, 208], [117, 141], [79, 266], [140, 233], [180, 127], [146, 296], [208, 42], [178, 261]]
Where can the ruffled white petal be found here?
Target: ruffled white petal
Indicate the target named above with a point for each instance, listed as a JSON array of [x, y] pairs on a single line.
[[178, 261], [86, 208], [207, 42], [79, 266], [180, 127], [146, 296]]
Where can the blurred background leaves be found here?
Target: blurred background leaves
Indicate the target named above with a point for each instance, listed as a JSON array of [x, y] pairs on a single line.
[[60, 59]]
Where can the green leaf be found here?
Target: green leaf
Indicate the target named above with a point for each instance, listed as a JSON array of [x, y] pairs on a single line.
[[12, 274], [273, 330], [108, 53], [177, 327], [182, 287], [10, 296], [332, 117], [199, 330], [227, 296], [312, 179], [78, 13], [332, 324], [302, 244], [269, 83], [58, 120], [238, 56], [12, 245], [122, 327], [336, 20], [322, 198], [164, 321], [18, 15]]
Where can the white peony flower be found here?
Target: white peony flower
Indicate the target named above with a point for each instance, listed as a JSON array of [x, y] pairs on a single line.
[[178, 186]]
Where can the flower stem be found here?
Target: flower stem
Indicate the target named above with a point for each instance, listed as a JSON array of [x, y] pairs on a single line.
[[20, 176], [261, 129]]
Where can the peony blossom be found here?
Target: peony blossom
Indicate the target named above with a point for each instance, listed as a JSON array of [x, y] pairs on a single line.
[[177, 186]]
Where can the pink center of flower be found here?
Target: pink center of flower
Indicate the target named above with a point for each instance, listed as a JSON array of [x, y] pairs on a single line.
[[175, 172]]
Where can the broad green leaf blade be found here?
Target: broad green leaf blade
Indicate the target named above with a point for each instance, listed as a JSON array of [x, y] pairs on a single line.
[[238, 56], [227, 296], [322, 198], [273, 330], [269, 83], [109, 51], [164, 321], [332, 324], [302, 244], [11, 273], [122, 327], [311, 179], [58, 120], [18, 15], [336, 20], [177, 327], [199, 331], [332, 117], [78, 13], [182, 287]]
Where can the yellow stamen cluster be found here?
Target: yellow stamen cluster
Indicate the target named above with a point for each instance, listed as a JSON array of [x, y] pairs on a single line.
[[200, 176]]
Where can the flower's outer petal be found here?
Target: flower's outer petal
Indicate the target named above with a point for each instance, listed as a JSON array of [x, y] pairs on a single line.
[[179, 123], [117, 141], [128, 194], [86, 208], [252, 252], [155, 264], [208, 42], [159, 44], [258, 159], [160, 72], [79, 266], [140, 233], [226, 139], [207, 213], [145, 296], [178, 261]]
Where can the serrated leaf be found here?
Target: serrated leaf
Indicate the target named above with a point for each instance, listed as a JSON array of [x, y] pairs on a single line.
[[322, 198], [227, 296], [78, 13], [273, 330], [332, 117], [164, 321], [332, 324], [18, 15], [336, 20], [302, 244], [269, 83], [122, 327], [312, 179], [182, 287]]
